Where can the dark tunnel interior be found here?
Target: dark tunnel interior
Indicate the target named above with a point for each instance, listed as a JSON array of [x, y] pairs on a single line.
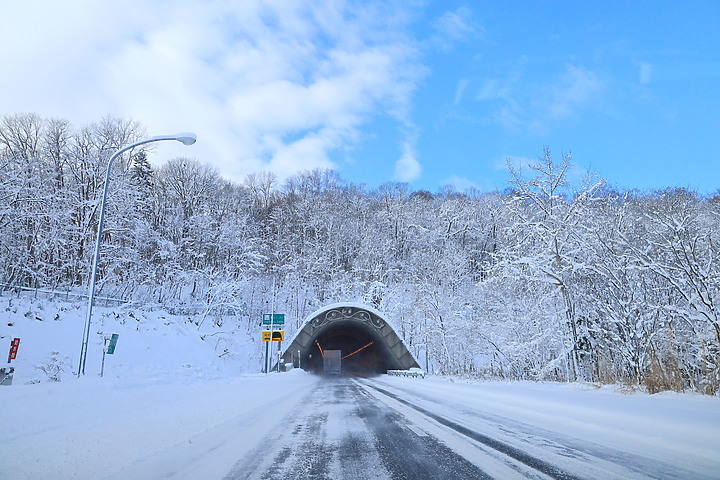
[[361, 352]]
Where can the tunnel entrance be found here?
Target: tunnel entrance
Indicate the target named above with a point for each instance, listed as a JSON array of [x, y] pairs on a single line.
[[367, 343], [359, 352]]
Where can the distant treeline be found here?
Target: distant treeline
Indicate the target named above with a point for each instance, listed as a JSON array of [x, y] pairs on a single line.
[[545, 280]]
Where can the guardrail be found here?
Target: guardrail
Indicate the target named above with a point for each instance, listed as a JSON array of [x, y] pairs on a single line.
[[414, 373], [57, 293], [185, 309]]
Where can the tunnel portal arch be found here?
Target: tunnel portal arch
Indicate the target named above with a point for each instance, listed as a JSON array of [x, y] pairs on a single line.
[[369, 344]]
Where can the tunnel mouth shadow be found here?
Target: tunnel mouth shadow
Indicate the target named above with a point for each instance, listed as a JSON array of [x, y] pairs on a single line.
[[358, 353]]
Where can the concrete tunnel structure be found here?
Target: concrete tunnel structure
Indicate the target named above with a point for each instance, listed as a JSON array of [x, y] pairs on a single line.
[[369, 344]]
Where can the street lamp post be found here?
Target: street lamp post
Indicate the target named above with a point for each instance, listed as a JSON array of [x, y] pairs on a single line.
[[185, 139]]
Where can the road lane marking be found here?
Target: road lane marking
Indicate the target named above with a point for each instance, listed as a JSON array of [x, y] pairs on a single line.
[[416, 431], [488, 460]]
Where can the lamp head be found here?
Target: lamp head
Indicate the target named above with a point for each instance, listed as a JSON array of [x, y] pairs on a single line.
[[187, 138]]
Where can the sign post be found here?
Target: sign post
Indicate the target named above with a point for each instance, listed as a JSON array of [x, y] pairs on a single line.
[[279, 336], [109, 349], [266, 336], [271, 321], [13, 349], [6, 373], [113, 343]]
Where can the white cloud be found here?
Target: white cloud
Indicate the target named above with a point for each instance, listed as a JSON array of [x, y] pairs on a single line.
[[462, 85], [573, 91], [461, 184], [645, 73], [453, 26], [537, 106], [407, 168], [307, 153], [269, 85], [489, 90]]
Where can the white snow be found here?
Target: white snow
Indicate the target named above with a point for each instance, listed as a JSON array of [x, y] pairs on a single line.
[[677, 429], [170, 406], [150, 344], [95, 428], [165, 386]]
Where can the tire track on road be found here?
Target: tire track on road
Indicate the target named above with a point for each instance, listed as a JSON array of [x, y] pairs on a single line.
[[506, 449]]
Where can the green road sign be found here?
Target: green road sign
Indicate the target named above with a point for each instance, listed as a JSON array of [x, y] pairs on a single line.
[[113, 342], [273, 318]]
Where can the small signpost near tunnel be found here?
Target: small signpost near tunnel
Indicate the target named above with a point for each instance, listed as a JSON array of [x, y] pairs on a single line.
[[273, 324], [273, 319], [111, 343]]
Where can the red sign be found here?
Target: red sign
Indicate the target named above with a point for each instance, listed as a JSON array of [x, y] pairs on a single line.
[[14, 348]]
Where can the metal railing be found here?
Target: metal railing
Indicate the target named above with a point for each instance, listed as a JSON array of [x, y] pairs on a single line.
[[413, 373]]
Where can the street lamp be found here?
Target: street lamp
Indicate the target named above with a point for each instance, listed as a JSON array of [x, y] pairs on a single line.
[[185, 139]]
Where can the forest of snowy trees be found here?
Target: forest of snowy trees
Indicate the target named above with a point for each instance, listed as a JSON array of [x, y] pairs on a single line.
[[545, 280]]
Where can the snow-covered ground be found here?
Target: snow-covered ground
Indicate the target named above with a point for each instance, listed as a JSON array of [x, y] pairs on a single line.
[[150, 343], [169, 406], [167, 381], [677, 430], [97, 428], [199, 428]]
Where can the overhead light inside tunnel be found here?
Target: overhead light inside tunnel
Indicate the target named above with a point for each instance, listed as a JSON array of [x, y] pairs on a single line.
[[356, 351]]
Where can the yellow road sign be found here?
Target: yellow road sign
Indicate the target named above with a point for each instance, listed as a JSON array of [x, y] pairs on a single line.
[[278, 336]]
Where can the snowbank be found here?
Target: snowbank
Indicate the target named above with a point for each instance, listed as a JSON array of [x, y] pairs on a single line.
[[150, 344], [680, 429], [94, 428]]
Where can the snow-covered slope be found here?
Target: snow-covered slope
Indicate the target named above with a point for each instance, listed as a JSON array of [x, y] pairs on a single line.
[[150, 343], [167, 383]]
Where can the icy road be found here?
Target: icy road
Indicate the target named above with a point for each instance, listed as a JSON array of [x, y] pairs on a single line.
[[298, 426], [360, 428]]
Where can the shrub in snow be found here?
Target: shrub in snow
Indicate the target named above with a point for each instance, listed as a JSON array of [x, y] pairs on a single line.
[[54, 367]]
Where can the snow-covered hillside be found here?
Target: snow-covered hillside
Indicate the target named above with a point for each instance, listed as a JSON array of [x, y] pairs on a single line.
[[150, 343]]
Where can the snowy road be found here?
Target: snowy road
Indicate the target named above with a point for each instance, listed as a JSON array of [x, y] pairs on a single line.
[[360, 428], [503, 447], [341, 431], [299, 426]]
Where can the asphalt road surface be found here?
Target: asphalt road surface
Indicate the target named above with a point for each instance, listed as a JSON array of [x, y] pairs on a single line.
[[361, 429], [342, 431]]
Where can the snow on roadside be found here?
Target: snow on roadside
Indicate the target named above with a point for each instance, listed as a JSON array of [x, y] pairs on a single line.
[[166, 382], [681, 429], [150, 344], [94, 428], [172, 395]]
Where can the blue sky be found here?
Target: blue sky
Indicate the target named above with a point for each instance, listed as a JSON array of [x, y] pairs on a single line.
[[632, 92], [429, 93]]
